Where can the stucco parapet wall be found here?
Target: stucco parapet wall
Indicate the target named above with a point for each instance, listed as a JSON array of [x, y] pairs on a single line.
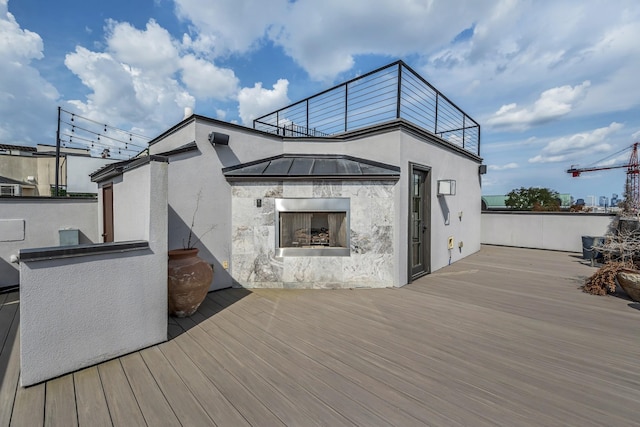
[[392, 125], [384, 127], [59, 252]]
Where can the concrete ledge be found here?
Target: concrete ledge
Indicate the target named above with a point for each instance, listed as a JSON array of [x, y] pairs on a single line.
[[58, 252], [559, 231]]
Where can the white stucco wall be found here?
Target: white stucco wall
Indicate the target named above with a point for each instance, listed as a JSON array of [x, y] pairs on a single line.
[[78, 311], [554, 231], [131, 208], [201, 172], [444, 164], [34, 222]]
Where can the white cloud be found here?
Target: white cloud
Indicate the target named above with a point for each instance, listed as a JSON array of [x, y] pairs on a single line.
[[324, 40], [206, 80], [146, 76], [152, 49], [256, 101], [572, 147], [519, 48], [27, 100], [226, 26], [552, 104], [510, 50], [124, 94], [511, 165], [221, 114]]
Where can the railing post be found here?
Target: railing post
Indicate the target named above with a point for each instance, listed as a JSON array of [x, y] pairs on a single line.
[[464, 126], [346, 106], [57, 191], [307, 116], [399, 91], [435, 119]]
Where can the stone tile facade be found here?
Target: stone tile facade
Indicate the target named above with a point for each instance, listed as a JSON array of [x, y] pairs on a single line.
[[371, 261]]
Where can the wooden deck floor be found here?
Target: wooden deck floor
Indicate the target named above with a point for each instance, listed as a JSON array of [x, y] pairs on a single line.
[[504, 337]]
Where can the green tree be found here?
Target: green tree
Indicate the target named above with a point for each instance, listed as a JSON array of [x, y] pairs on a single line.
[[533, 198]]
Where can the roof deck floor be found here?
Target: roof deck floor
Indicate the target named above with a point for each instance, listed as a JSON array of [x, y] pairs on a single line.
[[502, 337]]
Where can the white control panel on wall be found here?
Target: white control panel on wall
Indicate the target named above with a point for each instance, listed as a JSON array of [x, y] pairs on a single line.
[[11, 230]]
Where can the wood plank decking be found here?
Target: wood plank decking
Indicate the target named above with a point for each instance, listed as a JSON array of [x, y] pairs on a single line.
[[503, 337]]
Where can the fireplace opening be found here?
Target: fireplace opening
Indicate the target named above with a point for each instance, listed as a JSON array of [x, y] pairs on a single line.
[[312, 227]]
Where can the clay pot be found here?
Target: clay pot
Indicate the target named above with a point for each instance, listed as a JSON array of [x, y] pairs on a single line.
[[189, 280]]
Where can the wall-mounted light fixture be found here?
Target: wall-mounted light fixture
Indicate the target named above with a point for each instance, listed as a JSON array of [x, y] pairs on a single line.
[[446, 187], [482, 169], [217, 138]]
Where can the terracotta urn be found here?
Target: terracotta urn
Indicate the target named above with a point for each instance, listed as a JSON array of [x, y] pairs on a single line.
[[189, 280]]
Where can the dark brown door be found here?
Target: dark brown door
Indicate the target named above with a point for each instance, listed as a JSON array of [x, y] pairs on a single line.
[[419, 222], [107, 213]]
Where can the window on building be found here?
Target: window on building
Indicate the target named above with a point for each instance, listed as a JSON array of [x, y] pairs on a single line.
[[9, 190]]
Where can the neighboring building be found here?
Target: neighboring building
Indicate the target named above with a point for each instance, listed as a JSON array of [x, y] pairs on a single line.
[[494, 202], [603, 201], [372, 183], [614, 200], [31, 171], [12, 187]]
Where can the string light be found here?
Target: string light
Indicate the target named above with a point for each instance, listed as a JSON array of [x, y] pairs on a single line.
[[88, 134]]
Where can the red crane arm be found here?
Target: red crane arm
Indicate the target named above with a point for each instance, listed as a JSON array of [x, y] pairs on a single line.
[[577, 171], [632, 185], [632, 166]]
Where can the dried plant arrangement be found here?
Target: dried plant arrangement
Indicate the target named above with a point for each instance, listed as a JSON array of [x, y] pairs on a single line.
[[620, 250], [603, 281]]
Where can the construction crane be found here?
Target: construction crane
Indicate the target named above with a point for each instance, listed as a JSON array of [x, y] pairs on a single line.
[[632, 187]]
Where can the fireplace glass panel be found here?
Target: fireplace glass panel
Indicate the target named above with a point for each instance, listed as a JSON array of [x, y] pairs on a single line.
[[312, 227]]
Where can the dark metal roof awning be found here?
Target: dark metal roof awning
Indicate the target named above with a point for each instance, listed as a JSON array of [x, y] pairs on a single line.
[[312, 166], [118, 168]]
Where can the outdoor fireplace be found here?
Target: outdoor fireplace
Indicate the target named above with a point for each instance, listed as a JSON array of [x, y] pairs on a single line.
[[312, 227]]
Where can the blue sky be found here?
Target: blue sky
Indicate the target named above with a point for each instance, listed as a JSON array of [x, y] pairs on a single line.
[[552, 83]]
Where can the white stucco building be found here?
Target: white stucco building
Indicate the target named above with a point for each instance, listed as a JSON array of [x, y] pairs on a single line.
[[371, 183]]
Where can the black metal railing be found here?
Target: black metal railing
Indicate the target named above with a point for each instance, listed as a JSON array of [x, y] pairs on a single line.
[[392, 92]]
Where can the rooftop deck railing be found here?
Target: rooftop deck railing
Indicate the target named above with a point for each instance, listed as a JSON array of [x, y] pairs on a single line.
[[392, 92]]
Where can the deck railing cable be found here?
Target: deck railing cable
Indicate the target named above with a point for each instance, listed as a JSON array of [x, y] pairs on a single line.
[[392, 92]]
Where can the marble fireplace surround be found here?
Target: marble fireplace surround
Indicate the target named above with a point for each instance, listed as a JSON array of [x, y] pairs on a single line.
[[371, 254]]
